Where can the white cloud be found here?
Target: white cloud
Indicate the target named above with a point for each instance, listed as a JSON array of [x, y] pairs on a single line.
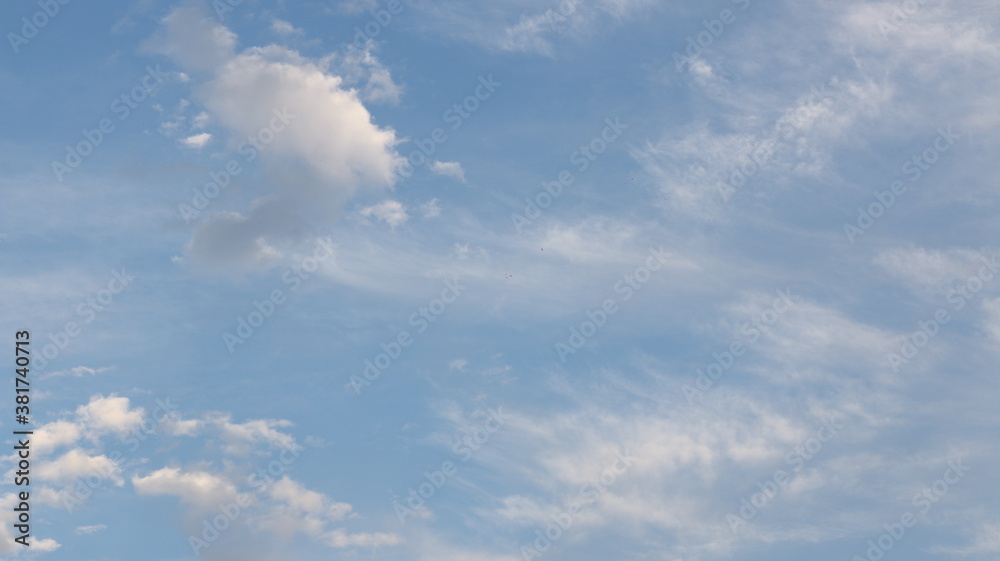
[[431, 209], [282, 27], [340, 538], [194, 40], [327, 148], [530, 26], [84, 530], [198, 488], [110, 414], [46, 545], [358, 65], [449, 169], [329, 129], [591, 241], [299, 498], [391, 212], [295, 509], [242, 437], [693, 462], [197, 140], [692, 171], [922, 268], [176, 426], [78, 464], [52, 435], [699, 168], [522, 510], [530, 32], [200, 120], [76, 372]]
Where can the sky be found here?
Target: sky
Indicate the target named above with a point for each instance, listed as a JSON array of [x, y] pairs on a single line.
[[455, 281]]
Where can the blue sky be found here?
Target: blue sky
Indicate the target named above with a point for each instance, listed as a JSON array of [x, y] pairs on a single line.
[[590, 279]]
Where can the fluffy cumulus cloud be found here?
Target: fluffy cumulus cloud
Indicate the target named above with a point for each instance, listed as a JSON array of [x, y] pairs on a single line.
[[197, 140], [200, 489], [8, 546], [111, 414], [269, 508], [240, 438], [283, 27], [313, 136], [103, 415], [76, 464], [391, 212], [96, 457], [449, 169], [53, 435], [295, 509], [97, 449]]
